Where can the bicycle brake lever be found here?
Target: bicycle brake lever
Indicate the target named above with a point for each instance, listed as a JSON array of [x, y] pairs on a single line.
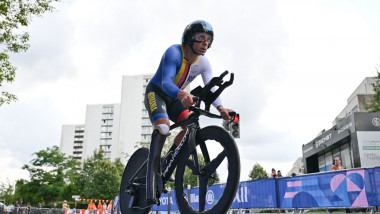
[[232, 113]]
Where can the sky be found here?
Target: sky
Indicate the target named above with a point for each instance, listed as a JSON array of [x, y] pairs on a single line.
[[295, 62]]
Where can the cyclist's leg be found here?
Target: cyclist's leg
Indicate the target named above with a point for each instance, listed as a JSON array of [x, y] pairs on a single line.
[[161, 130], [155, 104], [161, 108]]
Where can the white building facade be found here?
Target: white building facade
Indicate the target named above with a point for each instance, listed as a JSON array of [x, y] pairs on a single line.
[[117, 129], [135, 126]]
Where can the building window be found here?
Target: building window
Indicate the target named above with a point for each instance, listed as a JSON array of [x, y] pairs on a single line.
[[109, 110], [346, 156], [106, 135], [328, 160], [107, 122], [322, 163]]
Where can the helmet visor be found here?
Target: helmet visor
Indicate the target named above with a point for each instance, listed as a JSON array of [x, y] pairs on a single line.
[[202, 37]]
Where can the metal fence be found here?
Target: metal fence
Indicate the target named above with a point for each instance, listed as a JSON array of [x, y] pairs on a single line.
[[35, 210]]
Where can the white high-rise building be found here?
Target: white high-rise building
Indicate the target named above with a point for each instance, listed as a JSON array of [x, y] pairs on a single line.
[[102, 130], [117, 129], [72, 140], [135, 126]]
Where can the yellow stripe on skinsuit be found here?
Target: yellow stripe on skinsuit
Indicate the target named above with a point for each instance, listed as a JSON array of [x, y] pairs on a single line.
[[178, 76]]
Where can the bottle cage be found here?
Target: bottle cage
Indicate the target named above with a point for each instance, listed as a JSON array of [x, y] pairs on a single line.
[[206, 95]]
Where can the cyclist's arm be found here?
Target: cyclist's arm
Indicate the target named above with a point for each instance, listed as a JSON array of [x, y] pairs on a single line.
[[171, 58], [207, 76], [224, 112], [169, 66]]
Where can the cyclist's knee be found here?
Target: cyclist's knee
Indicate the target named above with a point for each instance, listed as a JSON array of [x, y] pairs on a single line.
[[163, 128], [162, 125]]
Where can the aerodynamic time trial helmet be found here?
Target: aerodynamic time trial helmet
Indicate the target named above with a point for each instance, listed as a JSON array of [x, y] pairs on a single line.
[[196, 27]]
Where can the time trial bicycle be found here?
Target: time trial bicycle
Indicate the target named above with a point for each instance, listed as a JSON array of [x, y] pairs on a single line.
[[214, 143]]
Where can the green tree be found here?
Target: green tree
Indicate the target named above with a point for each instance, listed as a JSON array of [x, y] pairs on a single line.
[[15, 16], [257, 172], [49, 173], [99, 177], [6, 192], [374, 104]]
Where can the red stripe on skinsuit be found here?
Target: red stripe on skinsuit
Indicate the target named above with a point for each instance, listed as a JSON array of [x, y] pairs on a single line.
[[183, 78]]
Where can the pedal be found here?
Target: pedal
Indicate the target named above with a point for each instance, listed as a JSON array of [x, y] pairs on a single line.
[[164, 190]]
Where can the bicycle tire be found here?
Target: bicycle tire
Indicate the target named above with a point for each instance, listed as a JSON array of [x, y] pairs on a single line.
[[129, 202], [211, 135]]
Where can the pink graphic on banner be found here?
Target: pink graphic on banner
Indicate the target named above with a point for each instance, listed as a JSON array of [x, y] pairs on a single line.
[[294, 183], [361, 200], [357, 171], [290, 194], [336, 181], [351, 187]]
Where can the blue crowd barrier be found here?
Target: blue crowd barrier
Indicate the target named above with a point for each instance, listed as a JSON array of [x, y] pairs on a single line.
[[338, 189]]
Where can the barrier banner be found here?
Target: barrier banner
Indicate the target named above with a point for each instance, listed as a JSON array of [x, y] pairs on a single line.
[[212, 196], [374, 196], [346, 188], [333, 189], [256, 194], [250, 194], [164, 201]]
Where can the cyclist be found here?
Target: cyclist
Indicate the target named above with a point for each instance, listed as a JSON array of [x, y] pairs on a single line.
[[165, 97]]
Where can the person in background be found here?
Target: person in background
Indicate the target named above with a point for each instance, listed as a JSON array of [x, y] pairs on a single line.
[[273, 175], [91, 207], [337, 164], [65, 205], [100, 208], [279, 174], [28, 208], [104, 208], [17, 207], [109, 208]]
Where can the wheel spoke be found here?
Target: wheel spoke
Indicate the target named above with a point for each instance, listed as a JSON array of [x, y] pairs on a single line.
[[202, 192], [215, 163], [205, 153]]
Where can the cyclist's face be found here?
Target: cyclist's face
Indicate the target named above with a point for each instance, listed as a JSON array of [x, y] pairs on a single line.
[[201, 43]]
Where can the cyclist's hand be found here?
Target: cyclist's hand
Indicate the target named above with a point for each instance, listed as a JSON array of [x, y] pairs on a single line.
[[186, 98], [224, 112]]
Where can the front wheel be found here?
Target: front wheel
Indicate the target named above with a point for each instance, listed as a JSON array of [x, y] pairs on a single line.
[[132, 191], [221, 156]]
